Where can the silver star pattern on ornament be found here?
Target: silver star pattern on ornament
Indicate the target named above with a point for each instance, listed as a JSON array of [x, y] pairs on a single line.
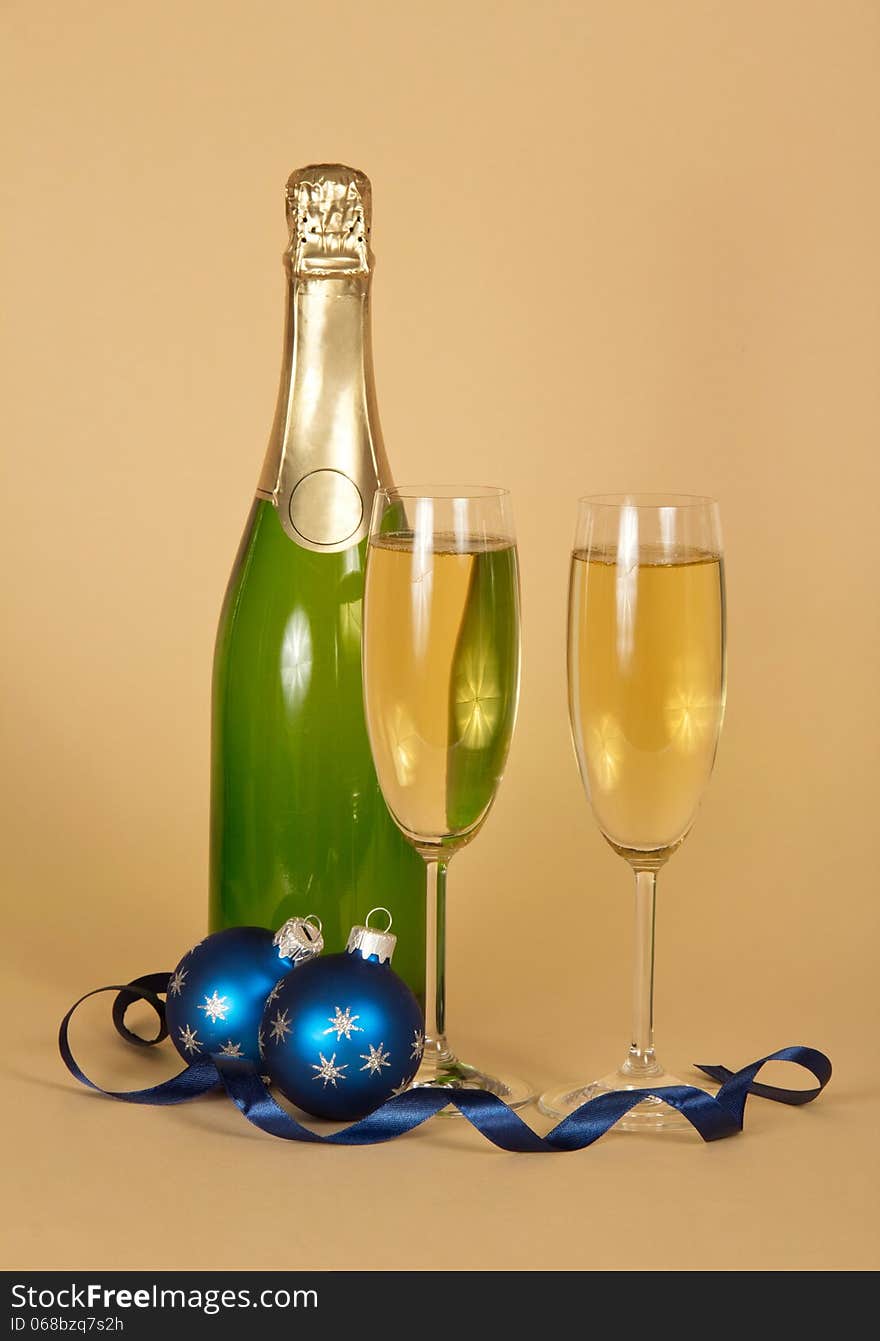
[[375, 1059], [267, 1080], [189, 1039], [216, 1007], [175, 983], [280, 1027], [275, 990], [261, 1042], [231, 1049], [329, 1072], [418, 1043], [343, 1022], [402, 1089]]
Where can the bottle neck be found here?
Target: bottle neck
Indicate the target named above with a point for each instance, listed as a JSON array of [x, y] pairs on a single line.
[[325, 456]]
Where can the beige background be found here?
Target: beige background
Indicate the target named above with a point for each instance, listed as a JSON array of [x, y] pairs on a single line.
[[620, 246]]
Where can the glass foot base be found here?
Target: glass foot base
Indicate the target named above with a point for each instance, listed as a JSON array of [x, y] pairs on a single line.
[[650, 1115], [441, 1068]]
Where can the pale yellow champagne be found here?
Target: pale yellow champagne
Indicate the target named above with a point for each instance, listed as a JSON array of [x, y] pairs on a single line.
[[646, 685], [441, 678]]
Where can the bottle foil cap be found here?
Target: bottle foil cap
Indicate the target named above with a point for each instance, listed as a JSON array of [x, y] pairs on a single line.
[[328, 214]]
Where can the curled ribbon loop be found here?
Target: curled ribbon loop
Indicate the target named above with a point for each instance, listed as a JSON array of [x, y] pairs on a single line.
[[712, 1116], [154, 982], [196, 1079]]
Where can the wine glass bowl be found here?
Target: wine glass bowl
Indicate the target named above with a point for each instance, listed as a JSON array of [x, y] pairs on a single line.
[[441, 660]]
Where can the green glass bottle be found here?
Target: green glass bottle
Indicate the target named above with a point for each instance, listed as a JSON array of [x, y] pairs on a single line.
[[298, 824]]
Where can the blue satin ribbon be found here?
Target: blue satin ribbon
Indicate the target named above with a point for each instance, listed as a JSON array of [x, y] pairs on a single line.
[[713, 1116]]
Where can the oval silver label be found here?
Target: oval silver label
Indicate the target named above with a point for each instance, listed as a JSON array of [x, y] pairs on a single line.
[[326, 507]]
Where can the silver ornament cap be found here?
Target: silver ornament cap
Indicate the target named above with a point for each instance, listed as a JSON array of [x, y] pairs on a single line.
[[367, 940], [299, 938]]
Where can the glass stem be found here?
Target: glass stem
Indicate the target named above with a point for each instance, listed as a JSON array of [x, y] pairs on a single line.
[[640, 1062], [435, 961]]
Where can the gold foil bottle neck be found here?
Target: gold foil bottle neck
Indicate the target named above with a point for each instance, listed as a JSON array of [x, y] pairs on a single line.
[[329, 215], [325, 454]]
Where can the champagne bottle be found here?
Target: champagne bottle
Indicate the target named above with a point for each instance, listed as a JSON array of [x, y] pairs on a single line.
[[298, 823]]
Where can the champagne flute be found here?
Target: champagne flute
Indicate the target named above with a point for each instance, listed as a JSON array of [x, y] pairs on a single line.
[[441, 658], [646, 677]]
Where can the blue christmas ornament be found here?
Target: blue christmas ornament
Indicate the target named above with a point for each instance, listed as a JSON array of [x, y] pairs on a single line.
[[344, 1032], [217, 993]]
